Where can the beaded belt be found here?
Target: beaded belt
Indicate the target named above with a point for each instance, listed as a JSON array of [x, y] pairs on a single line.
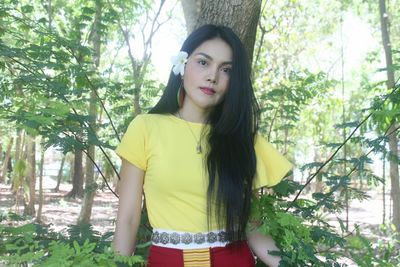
[[185, 240]]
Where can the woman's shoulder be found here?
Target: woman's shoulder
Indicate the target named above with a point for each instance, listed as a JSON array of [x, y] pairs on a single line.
[[150, 120], [153, 118], [261, 143], [259, 138]]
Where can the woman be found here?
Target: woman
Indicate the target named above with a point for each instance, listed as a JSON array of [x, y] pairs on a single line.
[[198, 159]]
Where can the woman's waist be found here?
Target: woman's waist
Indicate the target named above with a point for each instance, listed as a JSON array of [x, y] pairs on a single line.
[[188, 240]]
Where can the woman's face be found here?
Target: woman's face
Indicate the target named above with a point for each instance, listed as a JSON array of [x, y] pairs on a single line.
[[207, 75]]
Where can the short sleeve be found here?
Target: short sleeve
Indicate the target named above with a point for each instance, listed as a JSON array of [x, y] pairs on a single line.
[[272, 166], [133, 144]]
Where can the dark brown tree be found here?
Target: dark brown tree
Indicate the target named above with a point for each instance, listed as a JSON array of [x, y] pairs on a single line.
[[393, 141], [31, 157], [60, 172], [77, 178], [41, 196], [241, 15], [6, 160], [90, 183]]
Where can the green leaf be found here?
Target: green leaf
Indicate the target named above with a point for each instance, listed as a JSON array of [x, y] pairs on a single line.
[[27, 9], [76, 247], [351, 124], [286, 187], [88, 10]]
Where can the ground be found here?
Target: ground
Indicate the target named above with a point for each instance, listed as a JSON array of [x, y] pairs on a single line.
[[61, 212]]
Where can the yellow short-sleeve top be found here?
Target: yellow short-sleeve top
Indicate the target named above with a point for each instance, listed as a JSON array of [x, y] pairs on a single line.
[[175, 182]]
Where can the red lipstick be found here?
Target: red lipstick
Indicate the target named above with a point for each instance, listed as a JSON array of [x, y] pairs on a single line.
[[207, 90]]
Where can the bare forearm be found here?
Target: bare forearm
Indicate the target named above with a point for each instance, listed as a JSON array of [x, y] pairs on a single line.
[[125, 236], [261, 244], [129, 208]]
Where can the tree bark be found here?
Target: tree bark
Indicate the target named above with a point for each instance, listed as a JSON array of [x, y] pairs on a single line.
[[191, 11], [7, 156], [394, 176], [393, 141], [19, 148], [384, 187], [30, 207], [77, 178], [90, 185], [60, 172], [19, 176], [240, 15], [1, 152], [18, 145], [319, 184], [20, 158], [39, 212]]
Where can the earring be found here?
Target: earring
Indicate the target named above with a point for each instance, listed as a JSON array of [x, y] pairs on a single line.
[[180, 96]]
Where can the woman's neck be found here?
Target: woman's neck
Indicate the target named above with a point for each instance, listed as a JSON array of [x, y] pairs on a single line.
[[192, 115]]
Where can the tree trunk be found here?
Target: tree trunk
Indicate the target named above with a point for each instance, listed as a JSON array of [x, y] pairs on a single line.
[[191, 11], [393, 141], [72, 168], [19, 144], [1, 152], [39, 212], [394, 176], [90, 185], [319, 184], [77, 178], [30, 207], [20, 172], [90, 190], [7, 156], [240, 15], [384, 187], [60, 172]]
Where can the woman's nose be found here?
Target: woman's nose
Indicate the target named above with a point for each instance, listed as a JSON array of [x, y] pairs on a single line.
[[211, 80], [212, 76]]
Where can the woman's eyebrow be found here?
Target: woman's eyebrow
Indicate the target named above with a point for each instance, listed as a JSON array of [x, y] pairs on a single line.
[[210, 58]]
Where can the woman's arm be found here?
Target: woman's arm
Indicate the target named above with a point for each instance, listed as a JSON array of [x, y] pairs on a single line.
[[260, 244], [130, 189]]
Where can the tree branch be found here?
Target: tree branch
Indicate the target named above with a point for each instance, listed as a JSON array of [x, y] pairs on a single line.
[[338, 149], [95, 164]]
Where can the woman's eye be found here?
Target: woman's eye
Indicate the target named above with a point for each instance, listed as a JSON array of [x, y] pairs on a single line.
[[202, 62], [227, 70]]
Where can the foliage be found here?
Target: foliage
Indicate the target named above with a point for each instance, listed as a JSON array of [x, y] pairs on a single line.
[[291, 93], [382, 252], [46, 54], [39, 245], [306, 240], [49, 59], [54, 66], [297, 236]]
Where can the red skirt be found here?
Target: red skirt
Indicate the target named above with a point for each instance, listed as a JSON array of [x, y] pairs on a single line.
[[237, 254]]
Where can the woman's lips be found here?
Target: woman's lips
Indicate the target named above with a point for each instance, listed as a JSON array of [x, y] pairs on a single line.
[[207, 91]]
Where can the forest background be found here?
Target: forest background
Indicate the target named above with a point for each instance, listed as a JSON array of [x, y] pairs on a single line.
[[74, 74]]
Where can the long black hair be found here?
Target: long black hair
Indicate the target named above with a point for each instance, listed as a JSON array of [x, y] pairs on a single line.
[[231, 159]]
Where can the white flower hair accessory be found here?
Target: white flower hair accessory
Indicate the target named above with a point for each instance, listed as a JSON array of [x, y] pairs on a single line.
[[179, 62]]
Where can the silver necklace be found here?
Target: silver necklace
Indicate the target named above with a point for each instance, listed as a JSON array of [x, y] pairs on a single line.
[[198, 146]]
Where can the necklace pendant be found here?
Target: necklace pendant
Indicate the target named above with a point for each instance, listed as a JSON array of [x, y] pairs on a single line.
[[198, 149]]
